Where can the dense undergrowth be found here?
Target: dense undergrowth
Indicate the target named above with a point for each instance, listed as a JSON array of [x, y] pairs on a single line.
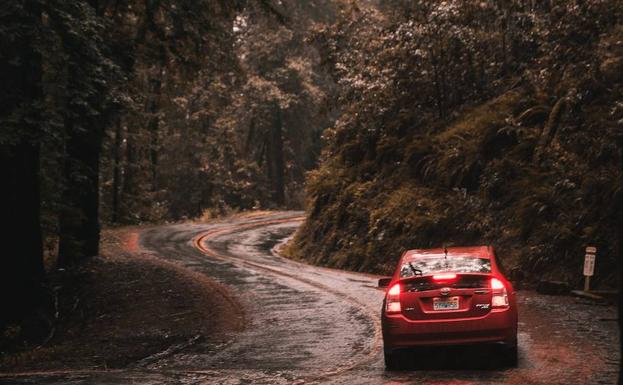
[[472, 123]]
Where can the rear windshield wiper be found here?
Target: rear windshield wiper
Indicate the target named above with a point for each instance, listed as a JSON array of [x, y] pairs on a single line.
[[415, 271]]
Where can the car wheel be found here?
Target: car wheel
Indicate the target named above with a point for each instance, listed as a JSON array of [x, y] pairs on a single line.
[[511, 355], [394, 359]]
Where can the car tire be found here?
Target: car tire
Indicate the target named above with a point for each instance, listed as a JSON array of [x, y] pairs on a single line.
[[394, 359], [511, 355]]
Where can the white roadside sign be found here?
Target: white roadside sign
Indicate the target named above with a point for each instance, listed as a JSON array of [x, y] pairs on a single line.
[[589, 265]]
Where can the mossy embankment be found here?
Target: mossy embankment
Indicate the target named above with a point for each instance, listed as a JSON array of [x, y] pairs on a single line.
[[530, 163]]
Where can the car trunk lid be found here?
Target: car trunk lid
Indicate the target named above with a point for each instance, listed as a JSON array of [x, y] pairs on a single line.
[[465, 296]]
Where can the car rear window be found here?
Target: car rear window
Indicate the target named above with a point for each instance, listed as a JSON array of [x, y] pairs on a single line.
[[441, 264]]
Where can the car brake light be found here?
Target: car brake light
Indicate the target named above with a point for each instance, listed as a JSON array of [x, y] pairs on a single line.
[[392, 302], [395, 290], [500, 295], [444, 277], [496, 284]]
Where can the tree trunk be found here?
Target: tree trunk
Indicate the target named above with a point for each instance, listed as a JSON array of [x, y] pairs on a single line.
[[620, 266], [277, 164], [21, 265], [21, 269], [549, 131], [116, 178], [504, 33], [153, 147], [79, 217], [129, 189], [84, 121], [153, 125], [438, 91]]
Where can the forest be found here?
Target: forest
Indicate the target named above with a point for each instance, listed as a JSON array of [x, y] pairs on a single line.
[[147, 111], [394, 124]]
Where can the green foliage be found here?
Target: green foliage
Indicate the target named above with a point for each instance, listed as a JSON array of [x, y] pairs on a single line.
[[200, 129], [468, 122]]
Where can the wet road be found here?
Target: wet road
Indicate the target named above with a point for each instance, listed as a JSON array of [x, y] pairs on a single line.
[[307, 324]]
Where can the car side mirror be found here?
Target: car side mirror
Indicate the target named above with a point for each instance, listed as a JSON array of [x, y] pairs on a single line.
[[384, 282]]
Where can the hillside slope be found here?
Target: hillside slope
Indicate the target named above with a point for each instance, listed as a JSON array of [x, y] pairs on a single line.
[[471, 123]]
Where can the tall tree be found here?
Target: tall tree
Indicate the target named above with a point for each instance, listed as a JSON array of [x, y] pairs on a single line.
[[85, 117], [21, 128], [620, 259], [116, 177], [276, 164]]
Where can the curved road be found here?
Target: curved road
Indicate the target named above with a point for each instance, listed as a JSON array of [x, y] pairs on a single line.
[[308, 324]]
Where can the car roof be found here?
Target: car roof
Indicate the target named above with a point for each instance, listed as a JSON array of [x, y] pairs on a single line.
[[470, 251]]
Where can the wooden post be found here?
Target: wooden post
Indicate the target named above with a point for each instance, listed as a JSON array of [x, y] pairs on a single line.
[[589, 266]]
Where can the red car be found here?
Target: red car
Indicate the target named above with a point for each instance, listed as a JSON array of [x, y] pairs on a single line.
[[448, 296]]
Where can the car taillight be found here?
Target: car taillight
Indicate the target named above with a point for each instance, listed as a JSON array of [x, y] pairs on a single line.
[[500, 295], [444, 277], [392, 301]]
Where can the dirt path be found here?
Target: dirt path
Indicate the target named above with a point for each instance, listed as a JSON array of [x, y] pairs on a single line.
[[307, 324]]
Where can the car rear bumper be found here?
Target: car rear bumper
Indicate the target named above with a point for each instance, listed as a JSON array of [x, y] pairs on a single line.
[[496, 326]]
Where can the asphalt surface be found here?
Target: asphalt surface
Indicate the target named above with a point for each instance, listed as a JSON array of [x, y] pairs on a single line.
[[308, 324]]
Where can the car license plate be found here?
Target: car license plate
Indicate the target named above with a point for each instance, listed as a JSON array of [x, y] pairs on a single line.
[[451, 303]]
